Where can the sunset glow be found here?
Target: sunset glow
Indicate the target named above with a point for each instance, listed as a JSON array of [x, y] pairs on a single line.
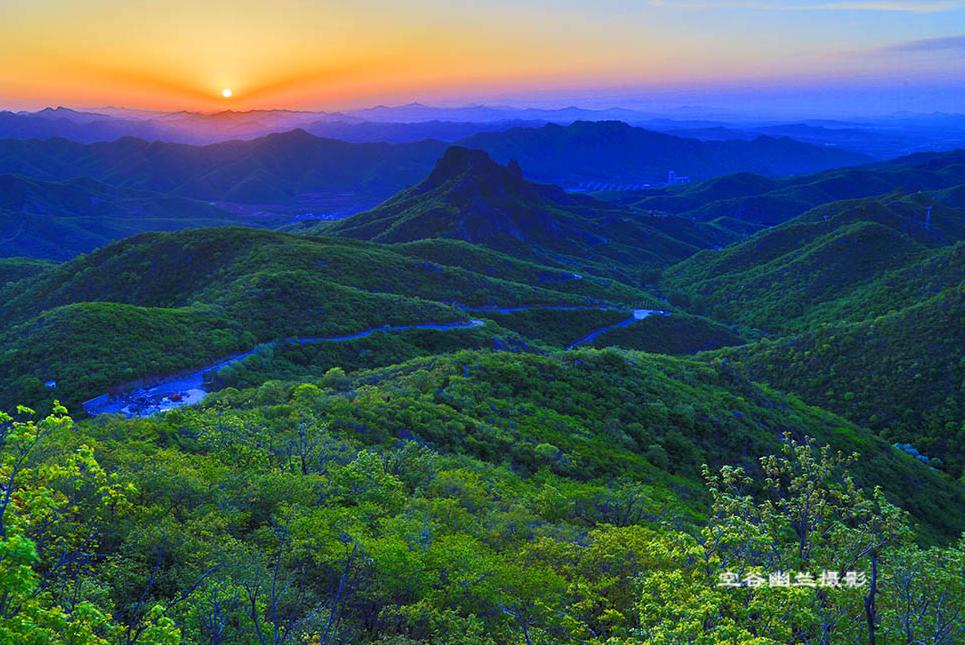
[[327, 55]]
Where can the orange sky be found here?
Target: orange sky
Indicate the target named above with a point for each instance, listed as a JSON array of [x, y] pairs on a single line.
[[175, 54]]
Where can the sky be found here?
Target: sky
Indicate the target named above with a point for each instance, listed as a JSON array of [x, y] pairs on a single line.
[[820, 56]]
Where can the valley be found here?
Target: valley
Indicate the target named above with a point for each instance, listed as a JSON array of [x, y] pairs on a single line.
[[167, 393], [482, 323], [477, 396]]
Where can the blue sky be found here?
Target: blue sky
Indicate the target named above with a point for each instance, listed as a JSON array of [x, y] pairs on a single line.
[[843, 56]]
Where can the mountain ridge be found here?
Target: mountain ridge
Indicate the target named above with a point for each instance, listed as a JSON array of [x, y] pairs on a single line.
[[470, 197]]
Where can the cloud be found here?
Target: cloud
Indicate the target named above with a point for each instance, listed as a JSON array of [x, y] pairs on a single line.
[[951, 43], [912, 6]]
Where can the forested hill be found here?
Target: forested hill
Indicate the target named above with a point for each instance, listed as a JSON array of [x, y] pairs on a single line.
[[469, 197], [60, 219], [765, 201], [478, 496], [899, 374], [862, 300], [840, 260], [180, 300]]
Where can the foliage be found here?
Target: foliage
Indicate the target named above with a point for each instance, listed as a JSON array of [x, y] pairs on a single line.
[[678, 333], [804, 514], [554, 327], [844, 259], [54, 518], [900, 374], [297, 514]]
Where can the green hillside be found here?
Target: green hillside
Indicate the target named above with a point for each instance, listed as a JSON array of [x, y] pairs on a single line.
[[556, 328], [479, 259], [679, 333], [601, 409], [294, 361], [219, 265], [444, 497], [900, 374], [179, 300], [13, 269], [799, 273], [88, 347]]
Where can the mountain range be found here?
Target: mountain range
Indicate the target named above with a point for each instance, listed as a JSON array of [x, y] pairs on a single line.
[[882, 137], [296, 175], [478, 407], [765, 201], [612, 152]]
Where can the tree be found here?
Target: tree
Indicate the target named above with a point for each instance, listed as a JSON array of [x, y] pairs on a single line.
[[56, 506], [803, 513]]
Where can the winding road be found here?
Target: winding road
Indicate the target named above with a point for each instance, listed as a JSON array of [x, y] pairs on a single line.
[[182, 389], [187, 388], [638, 314]]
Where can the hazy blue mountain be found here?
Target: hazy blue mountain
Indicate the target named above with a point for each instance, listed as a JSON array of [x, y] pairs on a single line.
[[278, 168], [765, 201], [60, 219], [613, 152], [282, 168]]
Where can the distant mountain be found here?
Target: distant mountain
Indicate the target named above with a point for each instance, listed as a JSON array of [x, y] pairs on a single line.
[[67, 124], [60, 219], [278, 168], [612, 152], [880, 138], [876, 140], [201, 129], [765, 201], [418, 113], [392, 132], [298, 168], [470, 197], [380, 124], [67, 114], [174, 127]]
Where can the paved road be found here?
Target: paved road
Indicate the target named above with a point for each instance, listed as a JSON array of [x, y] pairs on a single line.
[[192, 387], [189, 388], [638, 314]]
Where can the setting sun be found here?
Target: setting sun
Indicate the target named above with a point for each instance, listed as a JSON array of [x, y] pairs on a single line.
[[227, 93]]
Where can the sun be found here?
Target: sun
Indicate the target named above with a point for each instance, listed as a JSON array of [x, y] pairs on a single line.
[[227, 93]]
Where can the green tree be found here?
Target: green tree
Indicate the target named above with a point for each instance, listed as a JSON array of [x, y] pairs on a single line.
[[59, 507], [803, 513]]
